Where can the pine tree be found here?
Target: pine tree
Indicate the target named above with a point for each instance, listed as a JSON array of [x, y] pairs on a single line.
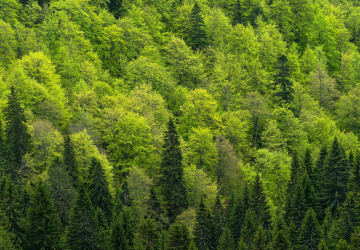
[[237, 219], [83, 228], [178, 237], [69, 160], [249, 229], [283, 79], [310, 233], [237, 14], [218, 219], [258, 203], [117, 235], [196, 35], [44, 229], [260, 241], [17, 137], [172, 181], [203, 228], [147, 235], [99, 189], [335, 178], [226, 241], [62, 190], [280, 235]]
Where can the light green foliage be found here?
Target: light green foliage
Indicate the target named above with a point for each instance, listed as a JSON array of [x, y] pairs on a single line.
[[272, 137], [5, 240], [199, 185], [9, 10], [348, 109], [7, 43]]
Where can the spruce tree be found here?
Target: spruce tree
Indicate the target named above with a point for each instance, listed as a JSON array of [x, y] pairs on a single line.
[[130, 223], [280, 235], [3, 163], [196, 34], [163, 241], [297, 208], [258, 203], [203, 228], [327, 225], [117, 235], [242, 245], [172, 181], [83, 229], [218, 219], [310, 232], [283, 79], [5, 240], [226, 241], [319, 170], [192, 246], [308, 163], [249, 229], [354, 181], [44, 229], [25, 201], [69, 160], [229, 209], [311, 198], [178, 237], [99, 189], [147, 234], [17, 137], [336, 176], [260, 241], [295, 169], [355, 239], [237, 219]]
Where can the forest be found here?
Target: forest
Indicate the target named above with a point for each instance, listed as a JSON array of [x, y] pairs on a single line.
[[180, 124]]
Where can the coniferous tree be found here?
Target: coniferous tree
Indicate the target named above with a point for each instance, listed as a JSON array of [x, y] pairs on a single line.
[[192, 246], [130, 223], [24, 201], [249, 229], [178, 237], [2, 152], [69, 160], [17, 137], [354, 181], [117, 235], [308, 163], [237, 14], [322, 245], [226, 241], [163, 241], [44, 229], [147, 234], [327, 225], [297, 208], [203, 228], [196, 35], [172, 181], [280, 235], [5, 240], [319, 169], [116, 7], [310, 232], [295, 169], [237, 219], [283, 79], [355, 239], [311, 199], [229, 209], [258, 203], [99, 189], [342, 245], [125, 195], [83, 228], [242, 245], [260, 241], [218, 219], [336, 176]]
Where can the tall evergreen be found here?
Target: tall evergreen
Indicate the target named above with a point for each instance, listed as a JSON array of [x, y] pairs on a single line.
[[2, 152], [218, 219], [342, 245], [69, 160], [44, 229], [196, 35], [322, 245], [125, 195], [308, 163], [178, 237], [172, 181], [229, 209], [17, 137], [295, 169], [147, 234], [203, 228], [249, 229], [311, 198], [320, 169], [280, 235], [283, 80], [83, 228], [226, 241], [260, 239], [310, 232], [355, 239], [297, 207], [237, 17], [258, 203], [99, 189], [336, 176], [117, 235], [237, 218], [354, 181]]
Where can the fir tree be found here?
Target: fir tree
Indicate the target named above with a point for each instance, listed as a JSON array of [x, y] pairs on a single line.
[[249, 229], [280, 235], [5, 240], [130, 224], [69, 160], [147, 235], [99, 189], [117, 235], [17, 137], [320, 169], [25, 201], [258, 203], [237, 14], [178, 237], [335, 178], [242, 245], [283, 80], [327, 224], [311, 199], [155, 210], [197, 36], [237, 219], [203, 228], [229, 209], [163, 241], [3, 163], [226, 241], [44, 228], [308, 163], [297, 208], [218, 219], [83, 228], [172, 181], [260, 241], [192, 246], [295, 169], [354, 181], [310, 233]]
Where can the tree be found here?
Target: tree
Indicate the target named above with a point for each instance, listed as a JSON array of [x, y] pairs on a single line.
[[196, 34], [69, 160], [322, 245], [308, 163], [218, 219], [258, 203], [283, 79], [83, 229], [237, 16], [147, 235], [116, 7], [355, 239], [280, 238], [7, 43], [296, 169], [237, 218], [17, 137], [260, 237], [44, 229], [226, 241], [117, 235], [297, 209], [172, 182], [342, 245], [5, 240], [125, 194], [178, 237], [249, 228], [310, 233], [203, 228], [99, 189], [9, 10]]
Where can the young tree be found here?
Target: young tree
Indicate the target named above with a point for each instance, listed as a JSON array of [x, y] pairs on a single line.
[[178, 237], [172, 182], [44, 229], [197, 36]]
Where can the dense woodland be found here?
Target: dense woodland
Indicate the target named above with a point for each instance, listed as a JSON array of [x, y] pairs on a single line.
[[180, 124]]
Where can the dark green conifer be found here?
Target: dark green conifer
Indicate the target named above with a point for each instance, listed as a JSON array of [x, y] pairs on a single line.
[[229, 209], [125, 195], [163, 241], [147, 234], [172, 181], [178, 237], [218, 219], [327, 225], [69, 160], [196, 36], [203, 228], [308, 163], [355, 239], [283, 80], [44, 229], [297, 208], [280, 235], [311, 198], [260, 239], [354, 181], [226, 241], [130, 223], [249, 229], [295, 169], [117, 235], [237, 219], [310, 232], [5, 240], [116, 7], [319, 170], [237, 17], [342, 245], [192, 246], [99, 189], [242, 245], [17, 137], [322, 245], [25, 201], [83, 229], [258, 203]]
